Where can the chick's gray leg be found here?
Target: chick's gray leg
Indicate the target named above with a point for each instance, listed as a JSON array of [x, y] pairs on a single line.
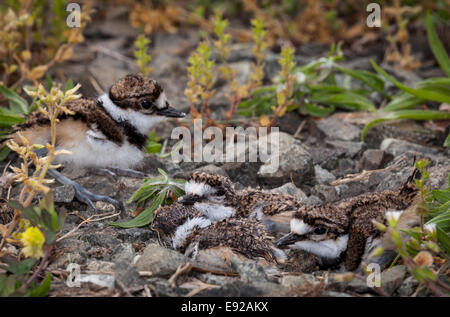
[[82, 193]]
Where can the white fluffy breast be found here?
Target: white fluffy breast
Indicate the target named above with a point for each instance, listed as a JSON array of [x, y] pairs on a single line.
[[328, 249], [95, 150], [200, 189]]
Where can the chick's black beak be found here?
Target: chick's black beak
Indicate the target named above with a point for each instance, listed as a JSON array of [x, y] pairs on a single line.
[[170, 112], [188, 200], [288, 239]]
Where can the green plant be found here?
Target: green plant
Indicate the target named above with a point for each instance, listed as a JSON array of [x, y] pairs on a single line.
[[432, 89], [22, 27], [18, 109], [153, 145], [315, 90], [38, 225], [259, 34], [160, 190], [201, 81], [238, 92], [37, 233], [285, 91], [11, 285], [430, 240], [142, 57]]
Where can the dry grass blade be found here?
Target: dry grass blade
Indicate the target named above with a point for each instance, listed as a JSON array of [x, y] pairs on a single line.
[[182, 269]]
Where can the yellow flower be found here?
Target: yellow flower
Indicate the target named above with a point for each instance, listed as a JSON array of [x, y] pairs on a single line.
[[32, 240]]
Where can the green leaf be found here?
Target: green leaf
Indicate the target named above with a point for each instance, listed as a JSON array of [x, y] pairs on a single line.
[[69, 85], [7, 285], [346, 100], [175, 149], [153, 147], [406, 114], [22, 267], [4, 152], [436, 46], [402, 102], [257, 105], [16, 103], [28, 213], [318, 111], [164, 174], [370, 79], [444, 240], [446, 143], [420, 93], [44, 288], [145, 217], [442, 195], [9, 118]]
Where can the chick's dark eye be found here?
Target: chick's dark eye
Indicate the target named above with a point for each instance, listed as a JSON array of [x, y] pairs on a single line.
[[146, 104], [220, 192], [320, 230]]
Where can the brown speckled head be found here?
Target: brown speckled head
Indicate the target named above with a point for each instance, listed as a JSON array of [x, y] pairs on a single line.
[[202, 184], [135, 92], [144, 95], [325, 221]]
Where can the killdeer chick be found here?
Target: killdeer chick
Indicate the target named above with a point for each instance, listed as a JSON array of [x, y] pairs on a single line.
[[214, 195], [189, 230], [344, 233], [246, 236], [211, 194], [169, 218], [109, 132]]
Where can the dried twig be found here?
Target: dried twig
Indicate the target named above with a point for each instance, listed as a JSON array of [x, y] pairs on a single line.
[[203, 286], [89, 220], [147, 291], [363, 175], [182, 269], [124, 288]]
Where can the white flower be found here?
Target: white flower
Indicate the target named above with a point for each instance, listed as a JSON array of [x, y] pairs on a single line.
[[281, 87], [393, 216], [431, 228], [300, 77]]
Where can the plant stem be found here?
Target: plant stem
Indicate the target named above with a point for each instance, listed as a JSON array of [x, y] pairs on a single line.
[[41, 267]]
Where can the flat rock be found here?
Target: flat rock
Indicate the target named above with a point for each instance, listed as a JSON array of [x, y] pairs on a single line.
[[249, 270], [290, 189], [392, 279], [124, 252], [217, 259], [102, 280], [63, 194], [374, 159], [298, 281], [396, 147], [134, 234], [322, 175], [335, 128], [127, 275], [295, 162], [408, 287], [160, 261], [100, 266]]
